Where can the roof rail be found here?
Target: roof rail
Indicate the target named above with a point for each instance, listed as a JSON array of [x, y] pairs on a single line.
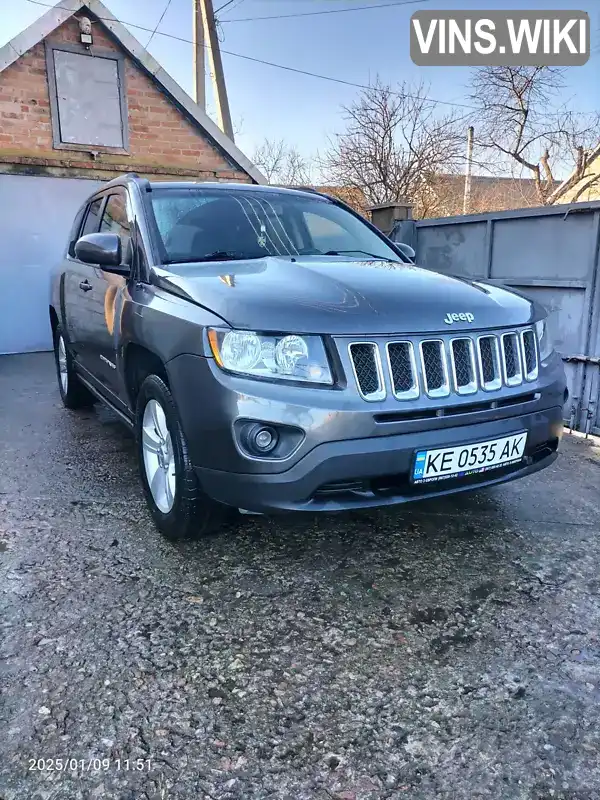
[[305, 189]]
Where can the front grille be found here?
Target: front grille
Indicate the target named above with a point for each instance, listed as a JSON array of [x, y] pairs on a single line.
[[367, 369], [437, 367]]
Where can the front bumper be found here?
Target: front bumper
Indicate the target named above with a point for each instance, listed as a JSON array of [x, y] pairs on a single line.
[[382, 465], [347, 439]]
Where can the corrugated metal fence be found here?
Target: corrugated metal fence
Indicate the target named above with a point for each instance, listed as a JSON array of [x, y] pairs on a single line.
[[552, 255]]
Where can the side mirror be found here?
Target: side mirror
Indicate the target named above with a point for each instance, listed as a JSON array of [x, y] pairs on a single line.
[[406, 250], [102, 249]]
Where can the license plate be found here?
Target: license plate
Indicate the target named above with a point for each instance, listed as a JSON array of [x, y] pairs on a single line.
[[468, 459]]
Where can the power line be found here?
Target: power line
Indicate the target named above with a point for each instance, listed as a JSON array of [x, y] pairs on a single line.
[[162, 16], [236, 3], [269, 63], [342, 81], [329, 11], [228, 3]]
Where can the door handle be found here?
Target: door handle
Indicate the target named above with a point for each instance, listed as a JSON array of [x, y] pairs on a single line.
[[85, 286]]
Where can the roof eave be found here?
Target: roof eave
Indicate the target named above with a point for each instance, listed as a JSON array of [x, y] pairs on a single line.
[[37, 31]]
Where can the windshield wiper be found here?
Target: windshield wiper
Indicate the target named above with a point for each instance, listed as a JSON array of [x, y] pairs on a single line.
[[364, 252], [218, 255]]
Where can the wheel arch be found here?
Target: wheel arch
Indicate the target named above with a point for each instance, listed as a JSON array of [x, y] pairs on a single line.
[[139, 362]]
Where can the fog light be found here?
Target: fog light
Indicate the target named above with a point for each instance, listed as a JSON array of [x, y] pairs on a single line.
[[264, 439], [260, 439]]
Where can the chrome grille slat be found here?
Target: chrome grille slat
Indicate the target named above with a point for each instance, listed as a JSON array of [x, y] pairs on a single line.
[[403, 370], [437, 367], [368, 372], [434, 368], [511, 359], [529, 352], [462, 359], [488, 353]]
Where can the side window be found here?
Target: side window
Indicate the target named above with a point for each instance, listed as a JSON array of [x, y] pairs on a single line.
[[116, 220], [326, 234], [74, 234], [93, 217]]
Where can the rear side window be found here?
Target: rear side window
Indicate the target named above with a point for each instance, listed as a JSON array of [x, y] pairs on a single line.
[[92, 221]]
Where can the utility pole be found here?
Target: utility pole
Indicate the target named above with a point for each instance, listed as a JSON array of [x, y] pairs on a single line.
[[199, 57], [468, 169], [216, 67]]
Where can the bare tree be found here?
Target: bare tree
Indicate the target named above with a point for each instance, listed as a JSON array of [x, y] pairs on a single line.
[[394, 145], [488, 193], [519, 120], [281, 163]]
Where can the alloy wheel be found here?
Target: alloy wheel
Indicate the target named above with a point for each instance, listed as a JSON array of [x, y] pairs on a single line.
[[63, 368], [159, 456]]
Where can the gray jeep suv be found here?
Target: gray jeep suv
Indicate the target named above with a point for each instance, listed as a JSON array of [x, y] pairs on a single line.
[[273, 351]]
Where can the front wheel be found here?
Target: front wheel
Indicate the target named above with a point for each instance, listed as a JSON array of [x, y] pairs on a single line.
[[178, 505]]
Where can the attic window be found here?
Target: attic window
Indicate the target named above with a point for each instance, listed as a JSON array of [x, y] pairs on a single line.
[[87, 99]]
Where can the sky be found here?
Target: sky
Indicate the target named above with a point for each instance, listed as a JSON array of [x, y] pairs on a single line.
[[354, 46]]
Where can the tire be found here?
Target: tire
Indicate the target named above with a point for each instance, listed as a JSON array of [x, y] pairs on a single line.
[[178, 505], [72, 391]]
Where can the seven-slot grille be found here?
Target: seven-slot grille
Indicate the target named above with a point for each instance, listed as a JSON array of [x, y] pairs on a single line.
[[437, 367]]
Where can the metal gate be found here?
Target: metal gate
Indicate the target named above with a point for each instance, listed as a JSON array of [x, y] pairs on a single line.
[[36, 214], [551, 254]]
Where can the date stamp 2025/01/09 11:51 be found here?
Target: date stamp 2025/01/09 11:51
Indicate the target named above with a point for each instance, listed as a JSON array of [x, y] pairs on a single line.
[[83, 765]]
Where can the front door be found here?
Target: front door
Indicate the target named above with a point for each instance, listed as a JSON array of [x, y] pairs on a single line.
[[79, 279], [107, 294]]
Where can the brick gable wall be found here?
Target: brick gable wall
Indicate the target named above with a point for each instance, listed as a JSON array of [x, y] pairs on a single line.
[[162, 141]]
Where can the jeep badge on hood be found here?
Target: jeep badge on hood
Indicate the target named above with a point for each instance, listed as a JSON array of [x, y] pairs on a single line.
[[450, 318]]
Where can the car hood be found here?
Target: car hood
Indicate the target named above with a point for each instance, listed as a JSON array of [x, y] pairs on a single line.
[[342, 296]]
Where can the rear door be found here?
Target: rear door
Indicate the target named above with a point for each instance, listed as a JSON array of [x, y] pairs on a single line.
[[78, 284]]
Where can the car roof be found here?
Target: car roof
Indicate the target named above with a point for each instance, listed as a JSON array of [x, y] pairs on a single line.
[[229, 185], [132, 177]]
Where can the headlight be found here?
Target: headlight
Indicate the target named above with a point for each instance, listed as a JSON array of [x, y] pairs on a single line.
[[286, 357], [544, 341]]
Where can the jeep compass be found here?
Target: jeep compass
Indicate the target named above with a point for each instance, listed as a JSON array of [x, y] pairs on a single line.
[[273, 351]]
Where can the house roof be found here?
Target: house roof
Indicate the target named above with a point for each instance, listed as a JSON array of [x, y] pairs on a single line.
[[586, 188], [65, 9]]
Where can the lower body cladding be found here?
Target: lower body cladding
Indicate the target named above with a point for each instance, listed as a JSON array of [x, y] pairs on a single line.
[[343, 458]]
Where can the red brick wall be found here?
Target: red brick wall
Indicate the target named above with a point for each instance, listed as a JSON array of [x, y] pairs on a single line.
[[159, 135]]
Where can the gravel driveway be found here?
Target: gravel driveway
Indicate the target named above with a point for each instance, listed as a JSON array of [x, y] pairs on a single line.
[[447, 649]]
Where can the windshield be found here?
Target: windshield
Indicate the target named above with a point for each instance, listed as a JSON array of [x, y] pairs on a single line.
[[198, 224]]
